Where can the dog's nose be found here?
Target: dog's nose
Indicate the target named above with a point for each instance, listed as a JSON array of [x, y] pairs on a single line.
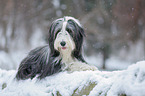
[[62, 43]]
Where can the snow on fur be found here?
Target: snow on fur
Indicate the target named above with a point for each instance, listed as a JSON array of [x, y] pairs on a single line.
[[129, 82]]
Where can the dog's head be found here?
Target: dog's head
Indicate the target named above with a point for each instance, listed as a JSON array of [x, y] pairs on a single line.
[[66, 34], [63, 39]]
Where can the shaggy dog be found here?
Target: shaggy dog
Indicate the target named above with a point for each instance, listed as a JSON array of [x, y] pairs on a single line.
[[63, 52]]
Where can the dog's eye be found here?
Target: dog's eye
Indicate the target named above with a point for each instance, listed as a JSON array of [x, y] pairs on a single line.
[[69, 31]]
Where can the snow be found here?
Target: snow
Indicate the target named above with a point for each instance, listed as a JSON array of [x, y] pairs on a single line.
[[130, 82]]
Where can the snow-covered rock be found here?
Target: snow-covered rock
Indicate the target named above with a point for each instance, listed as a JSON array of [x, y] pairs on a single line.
[[130, 82]]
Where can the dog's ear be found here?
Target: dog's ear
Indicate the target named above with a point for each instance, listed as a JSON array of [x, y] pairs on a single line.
[[51, 35], [55, 26], [78, 37]]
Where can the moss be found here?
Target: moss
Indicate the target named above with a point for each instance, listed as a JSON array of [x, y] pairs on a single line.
[[85, 90], [4, 86], [58, 94], [123, 95]]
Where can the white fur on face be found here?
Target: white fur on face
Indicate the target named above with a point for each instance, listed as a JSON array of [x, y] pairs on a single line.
[[66, 50]]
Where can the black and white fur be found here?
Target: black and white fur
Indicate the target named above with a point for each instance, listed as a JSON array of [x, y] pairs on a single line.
[[63, 52]]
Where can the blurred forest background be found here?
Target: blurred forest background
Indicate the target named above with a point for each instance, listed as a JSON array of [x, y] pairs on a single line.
[[115, 29]]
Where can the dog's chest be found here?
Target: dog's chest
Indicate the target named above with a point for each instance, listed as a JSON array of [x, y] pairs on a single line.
[[67, 60]]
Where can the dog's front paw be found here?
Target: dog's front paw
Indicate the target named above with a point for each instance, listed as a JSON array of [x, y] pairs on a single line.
[[87, 67], [79, 66]]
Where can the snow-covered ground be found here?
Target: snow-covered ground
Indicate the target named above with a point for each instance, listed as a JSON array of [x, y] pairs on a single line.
[[130, 82]]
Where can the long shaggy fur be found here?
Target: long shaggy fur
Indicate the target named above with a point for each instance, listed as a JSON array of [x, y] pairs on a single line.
[[45, 61]]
